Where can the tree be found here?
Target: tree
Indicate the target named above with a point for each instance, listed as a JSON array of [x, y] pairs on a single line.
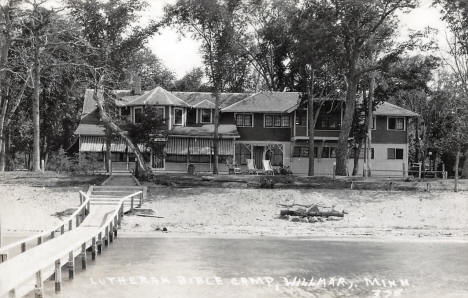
[[151, 126], [448, 116], [14, 72], [148, 68], [361, 26], [191, 81], [314, 54], [406, 83], [216, 24], [455, 13], [105, 27], [267, 43]]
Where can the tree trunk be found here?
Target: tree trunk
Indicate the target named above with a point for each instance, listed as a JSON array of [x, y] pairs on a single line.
[[369, 123], [108, 155], [311, 124], [215, 134], [465, 165], [145, 170], [457, 163], [36, 158], [2, 154], [357, 153], [342, 149]]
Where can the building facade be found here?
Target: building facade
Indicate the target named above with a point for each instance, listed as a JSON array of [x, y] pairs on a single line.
[[260, 126]]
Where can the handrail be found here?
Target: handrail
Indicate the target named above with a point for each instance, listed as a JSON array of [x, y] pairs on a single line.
[[119, 211], [109, 229], [82, 211]]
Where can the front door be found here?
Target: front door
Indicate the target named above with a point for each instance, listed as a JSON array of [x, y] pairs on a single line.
[[258, 156], [158, 161]]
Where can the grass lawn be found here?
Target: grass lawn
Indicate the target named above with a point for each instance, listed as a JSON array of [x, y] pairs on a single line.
[[254, 212]]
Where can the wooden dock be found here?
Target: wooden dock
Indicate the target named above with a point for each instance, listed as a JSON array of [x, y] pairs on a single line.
[[93, 227]]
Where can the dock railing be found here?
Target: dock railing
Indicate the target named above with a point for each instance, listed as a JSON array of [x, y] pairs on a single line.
[[69, 224], [105, 234]]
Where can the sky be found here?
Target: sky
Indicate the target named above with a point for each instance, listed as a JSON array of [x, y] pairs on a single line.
[[181, 54]]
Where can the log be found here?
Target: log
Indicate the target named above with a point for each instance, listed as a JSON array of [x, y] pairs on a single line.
[[147, 215], [306, 213]]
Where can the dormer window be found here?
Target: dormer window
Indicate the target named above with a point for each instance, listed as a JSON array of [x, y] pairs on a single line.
[[178, 116], [206, 116]]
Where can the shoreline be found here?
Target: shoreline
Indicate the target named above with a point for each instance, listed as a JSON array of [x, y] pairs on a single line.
[[18, 235]]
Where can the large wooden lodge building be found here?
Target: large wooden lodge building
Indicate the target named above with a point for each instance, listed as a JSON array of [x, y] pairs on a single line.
[[258, 126]]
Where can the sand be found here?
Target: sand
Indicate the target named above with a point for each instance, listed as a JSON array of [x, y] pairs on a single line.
[[254, 212], [215, 212]]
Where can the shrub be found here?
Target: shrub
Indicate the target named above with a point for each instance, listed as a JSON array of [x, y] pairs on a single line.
[[59, 162], [266, 182]]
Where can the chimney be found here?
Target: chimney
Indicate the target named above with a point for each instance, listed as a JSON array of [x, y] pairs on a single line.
[[135, 83]]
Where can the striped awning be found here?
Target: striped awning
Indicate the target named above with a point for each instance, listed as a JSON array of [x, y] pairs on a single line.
[[198, 146], [118, 145], [91, 144], [98, 144]]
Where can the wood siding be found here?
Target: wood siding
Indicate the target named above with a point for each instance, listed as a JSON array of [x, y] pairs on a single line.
[[382, 135]]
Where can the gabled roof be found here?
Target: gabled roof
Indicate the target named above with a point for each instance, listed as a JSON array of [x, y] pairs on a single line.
[[265, 101], [123, 98], [389, 109], [158, 96], [205, 104], [226, 99]]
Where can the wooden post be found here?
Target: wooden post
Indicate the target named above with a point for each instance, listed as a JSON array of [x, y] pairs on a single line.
[[71, 265], [110, 166], [115, 227], [334, 171], [52, 235], [39, 240], [58, 276], [23, 247], [419, 170], [62, 230], [404, 170], [39, 287], [42, 165], [131, 205], [141, 200], [457, 161], [77, 220], [3, 257], [106, 237], [12, 293], [70, 224], [443, 171], [81, 198], [89, 206], [111, 233], [99, 243], [93, 249], [83, 256]]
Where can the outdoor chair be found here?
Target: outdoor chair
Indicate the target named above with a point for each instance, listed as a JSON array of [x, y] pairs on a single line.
[[233, 168], [251, 167], [267, 167]]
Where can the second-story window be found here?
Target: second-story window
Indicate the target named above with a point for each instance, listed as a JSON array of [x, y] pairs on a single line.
[[396, 123], [206, 116], [277, 121], [244, 120], [178, 116], [138, 114]]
